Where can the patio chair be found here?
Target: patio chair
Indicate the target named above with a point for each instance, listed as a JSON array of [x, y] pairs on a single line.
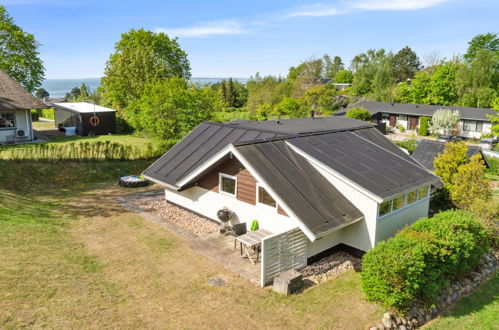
[[239, 229]]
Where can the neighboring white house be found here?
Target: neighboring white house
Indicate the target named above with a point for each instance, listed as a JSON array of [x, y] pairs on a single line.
[[15, 111], [316, 184], [473, 124]]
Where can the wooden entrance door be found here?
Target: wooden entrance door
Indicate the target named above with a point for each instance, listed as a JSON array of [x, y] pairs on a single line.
[[393, 119], [413, 122]]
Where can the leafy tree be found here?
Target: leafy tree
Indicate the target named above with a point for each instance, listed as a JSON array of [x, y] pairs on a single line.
[[424, 123], [140, 58], [359, 113], [319, 99], [19, 55], [443, 84], [344, 77], [495, 119], [444, 119], [331, 68], [267, 91], [478, 81], [405, 64], [170, 108], [41, 93], [447, 163], [289, 107], [421, 88], [469, 185], [488, 41], [75, 93], [231, 93], [373, 73]]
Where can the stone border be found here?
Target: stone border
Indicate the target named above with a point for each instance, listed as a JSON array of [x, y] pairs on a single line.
[[417, 316]]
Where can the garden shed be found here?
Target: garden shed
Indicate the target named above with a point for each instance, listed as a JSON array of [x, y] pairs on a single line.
[[87, 118]]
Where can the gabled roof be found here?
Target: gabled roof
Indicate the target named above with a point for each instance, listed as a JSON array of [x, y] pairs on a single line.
[[424, 109], [426, 152], [209, 138], [316, 202], [382, 172], [13, 96]]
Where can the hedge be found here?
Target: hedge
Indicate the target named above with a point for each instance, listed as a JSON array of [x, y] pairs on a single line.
[[424, 123], [423, 259], [45, 113]]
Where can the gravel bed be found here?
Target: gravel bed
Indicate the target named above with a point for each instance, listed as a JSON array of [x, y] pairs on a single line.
[[330, 267], [179, 216]]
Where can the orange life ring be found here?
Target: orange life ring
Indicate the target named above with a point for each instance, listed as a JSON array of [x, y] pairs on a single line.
[[94, 121]]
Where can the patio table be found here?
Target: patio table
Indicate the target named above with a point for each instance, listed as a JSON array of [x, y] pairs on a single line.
[[252, 239]]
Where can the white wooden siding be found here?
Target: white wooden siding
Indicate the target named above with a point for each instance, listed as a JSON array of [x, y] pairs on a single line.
[[23, 122], [360, 235], [282, 252], [208, 202], [389, 224]]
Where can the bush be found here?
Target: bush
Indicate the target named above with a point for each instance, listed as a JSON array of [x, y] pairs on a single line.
[[359, 113], [424, 124], [409, 145], [423, 258], [44, 113], [401, 128], [84, 151]]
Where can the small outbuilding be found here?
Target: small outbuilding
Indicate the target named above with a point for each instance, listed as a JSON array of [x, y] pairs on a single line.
[[87, 118]]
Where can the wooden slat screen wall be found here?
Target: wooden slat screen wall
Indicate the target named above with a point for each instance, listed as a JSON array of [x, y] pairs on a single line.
[[283, 252]]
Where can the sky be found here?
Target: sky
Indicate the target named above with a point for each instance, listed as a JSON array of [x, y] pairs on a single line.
[[240, 38]]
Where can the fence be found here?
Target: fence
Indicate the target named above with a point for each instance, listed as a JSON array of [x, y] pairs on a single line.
[[282, 252]]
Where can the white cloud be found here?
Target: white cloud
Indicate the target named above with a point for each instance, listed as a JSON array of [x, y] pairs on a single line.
[[205, 29], [315, 11], [396, 4], [319, 10]]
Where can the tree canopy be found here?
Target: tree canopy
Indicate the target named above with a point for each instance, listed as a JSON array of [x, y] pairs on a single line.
[[487, 41], [140, 58], [405, 64], [19, 55]]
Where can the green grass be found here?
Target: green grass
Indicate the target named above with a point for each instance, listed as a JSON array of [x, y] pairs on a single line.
[[477, 311], [493, 172], [72, 257]]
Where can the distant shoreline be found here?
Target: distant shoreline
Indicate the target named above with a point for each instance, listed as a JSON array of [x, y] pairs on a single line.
[[59, 87]]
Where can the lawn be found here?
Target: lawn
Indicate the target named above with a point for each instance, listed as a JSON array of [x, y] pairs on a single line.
[[72, 257], [477, 311]]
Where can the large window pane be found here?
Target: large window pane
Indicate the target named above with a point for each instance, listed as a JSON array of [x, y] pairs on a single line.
[[470, 125], [228, 185], [398, 203], [385, 208], [423, 192], [479, 126], [265, 198], [412, 197], [7, 120]]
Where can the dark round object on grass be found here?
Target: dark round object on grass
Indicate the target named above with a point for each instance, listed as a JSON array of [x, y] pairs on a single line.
[[133, 181]]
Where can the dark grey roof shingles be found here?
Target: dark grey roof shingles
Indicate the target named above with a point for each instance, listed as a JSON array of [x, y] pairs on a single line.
[[426, 152], [316, 202], [370, 166]]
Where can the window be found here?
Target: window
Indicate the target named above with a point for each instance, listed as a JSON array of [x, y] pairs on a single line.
[[473, 126], [385, 208], [403, 200], [228, 184], [412, 197], [265, 198], [398, 203], [423, 192], [7, 120], [403, 117]]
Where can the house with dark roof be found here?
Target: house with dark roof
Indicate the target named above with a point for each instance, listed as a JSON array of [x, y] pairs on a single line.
[[315, 183], [426, 151], [15, 111], [473, 123]]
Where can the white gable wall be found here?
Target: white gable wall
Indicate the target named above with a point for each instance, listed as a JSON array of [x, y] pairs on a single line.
[[207, 203]]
